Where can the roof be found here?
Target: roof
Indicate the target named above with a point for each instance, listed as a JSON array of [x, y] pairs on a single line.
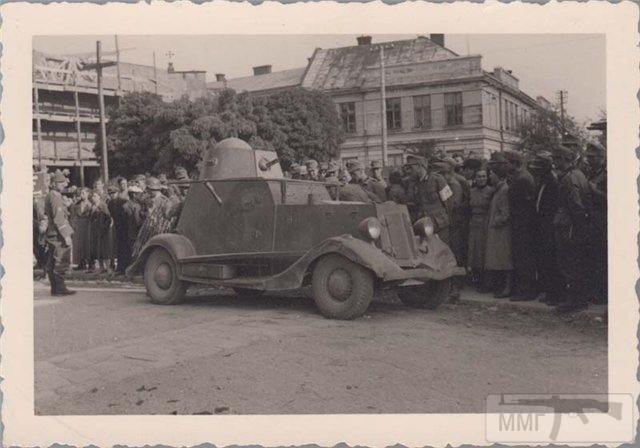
[[268, 81], [358, 66]]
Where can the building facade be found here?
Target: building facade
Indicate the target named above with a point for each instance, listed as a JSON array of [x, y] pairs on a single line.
[[65, 106], [433, 96]]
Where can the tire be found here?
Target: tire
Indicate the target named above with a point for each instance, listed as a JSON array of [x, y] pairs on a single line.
[[246, 292], [161, 279], [341, 288], [429, 296]]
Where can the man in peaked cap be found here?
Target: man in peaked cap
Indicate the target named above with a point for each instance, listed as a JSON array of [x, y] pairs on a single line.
[[573, 224], [376, 182], [432, 195], [354, 190], [322, 171], [331, 179], [58, 236]]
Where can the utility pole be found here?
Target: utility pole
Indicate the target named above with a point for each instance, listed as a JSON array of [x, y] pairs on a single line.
[[118, 69], [562, 99], [36, 100], [383, 107], [155, 74], [98, 66], [78, 130]]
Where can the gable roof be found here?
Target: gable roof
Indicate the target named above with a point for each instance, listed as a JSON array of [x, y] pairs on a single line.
[[269, 81], [357, 66]]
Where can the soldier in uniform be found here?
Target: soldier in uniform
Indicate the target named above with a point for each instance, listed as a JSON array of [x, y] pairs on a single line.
[[376, 182], [322, 173], [331, 179], [432, 195], [58, 236], [354, 190], [312, 170], [597, 176], [573, 230]]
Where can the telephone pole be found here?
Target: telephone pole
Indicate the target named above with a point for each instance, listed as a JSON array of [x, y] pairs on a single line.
[[562, 99], [98, 66], [383, 103]]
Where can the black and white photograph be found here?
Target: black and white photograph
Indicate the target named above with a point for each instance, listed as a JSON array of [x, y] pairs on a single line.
[[267, 244], [326, 223]]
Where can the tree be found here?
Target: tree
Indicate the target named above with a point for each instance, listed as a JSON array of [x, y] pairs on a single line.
[[544, 131], [146, 134]]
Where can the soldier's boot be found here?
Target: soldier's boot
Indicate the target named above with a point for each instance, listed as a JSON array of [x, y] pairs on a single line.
[[507, 289], [454, 291], [52, 282], [61, 288]]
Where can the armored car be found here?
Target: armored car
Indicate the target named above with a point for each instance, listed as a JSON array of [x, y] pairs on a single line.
[[245, 226]]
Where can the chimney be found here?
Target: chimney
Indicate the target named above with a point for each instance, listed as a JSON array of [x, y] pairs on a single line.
[[170, 68], [437, 39], [364, 40], [261, 70], [220, 77]]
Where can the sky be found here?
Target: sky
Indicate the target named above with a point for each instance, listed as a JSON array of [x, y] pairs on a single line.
[[544, 63]]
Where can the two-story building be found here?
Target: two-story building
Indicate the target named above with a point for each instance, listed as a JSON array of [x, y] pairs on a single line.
[[432, 95]]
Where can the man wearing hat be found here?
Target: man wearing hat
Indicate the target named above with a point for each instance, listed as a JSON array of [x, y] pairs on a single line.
[[322, 172], [573, 230], [546, 205], [312, 170], [331, 179], [432, 195], [354, 190], [133, 219], [58, 236], [522, 195], [596, 160], [376, 182], [498, 259]]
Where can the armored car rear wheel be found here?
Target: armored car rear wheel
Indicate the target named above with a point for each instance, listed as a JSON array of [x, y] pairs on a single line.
[[341, 288], [429, 296], [161, 279]]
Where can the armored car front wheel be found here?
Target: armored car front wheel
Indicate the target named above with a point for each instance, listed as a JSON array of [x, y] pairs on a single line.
[[430, 295], [341, 288], [161, 278]]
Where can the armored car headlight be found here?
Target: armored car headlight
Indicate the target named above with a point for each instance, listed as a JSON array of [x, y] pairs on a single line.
[[371, 228], [424, 227]]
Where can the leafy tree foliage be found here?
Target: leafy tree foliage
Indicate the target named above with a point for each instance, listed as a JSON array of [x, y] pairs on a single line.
[[146, 134], [544, 131]]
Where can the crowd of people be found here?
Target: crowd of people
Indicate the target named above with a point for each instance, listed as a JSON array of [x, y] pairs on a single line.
[[108, 225], [525, 227]]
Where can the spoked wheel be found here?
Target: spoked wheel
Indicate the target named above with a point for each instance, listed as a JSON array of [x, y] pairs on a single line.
[[429, 295], [161, 279], [342, 289]]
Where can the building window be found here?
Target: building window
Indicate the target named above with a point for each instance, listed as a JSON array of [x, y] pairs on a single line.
[[506, 115], [348, 114], [422, 111], [453, 108], [394, 114]]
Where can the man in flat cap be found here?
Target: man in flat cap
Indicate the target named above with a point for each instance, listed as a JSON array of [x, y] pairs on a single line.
[[597, 175], [546, 206], [573, 225], [58, 236], [312, 170], [376, 182], [354, 190], [433, 196], [522, 194]]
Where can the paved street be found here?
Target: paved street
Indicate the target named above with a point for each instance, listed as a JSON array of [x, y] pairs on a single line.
[[109, 351]]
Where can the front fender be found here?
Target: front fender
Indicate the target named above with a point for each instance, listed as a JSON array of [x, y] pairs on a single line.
[[177, 245]]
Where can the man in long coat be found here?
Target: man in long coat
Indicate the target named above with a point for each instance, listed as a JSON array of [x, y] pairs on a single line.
[[355, 190], [58, 236], [549, 281], [597, 176], [573, 227], [522, 191], [376, 182]]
